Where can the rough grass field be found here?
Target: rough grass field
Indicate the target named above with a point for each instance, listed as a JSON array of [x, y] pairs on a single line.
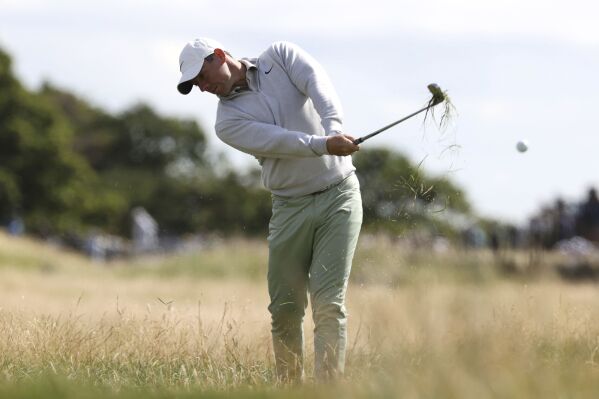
[[422, 325]]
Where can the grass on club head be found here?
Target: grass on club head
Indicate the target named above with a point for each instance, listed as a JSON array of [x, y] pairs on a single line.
[[449, 110]]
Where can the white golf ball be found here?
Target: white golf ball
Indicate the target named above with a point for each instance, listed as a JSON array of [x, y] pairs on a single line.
[[522, 146]]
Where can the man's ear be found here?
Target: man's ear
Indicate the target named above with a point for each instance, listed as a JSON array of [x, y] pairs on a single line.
[[220, 54]]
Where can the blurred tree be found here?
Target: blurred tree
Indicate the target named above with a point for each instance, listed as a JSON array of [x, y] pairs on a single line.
[[161, 164], [225, 205], [10, 195], [137, 138], [40, 176]]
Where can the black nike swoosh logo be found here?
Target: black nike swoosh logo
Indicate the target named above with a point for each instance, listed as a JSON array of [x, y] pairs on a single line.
[[267, 72]]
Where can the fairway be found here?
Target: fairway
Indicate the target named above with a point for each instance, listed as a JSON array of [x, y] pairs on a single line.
[[112, 330]]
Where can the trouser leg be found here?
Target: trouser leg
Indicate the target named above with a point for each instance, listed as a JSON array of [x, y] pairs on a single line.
[[334, 245], [290, 250]]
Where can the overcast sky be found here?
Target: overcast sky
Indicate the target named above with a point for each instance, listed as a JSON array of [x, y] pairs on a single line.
[[514, 70]]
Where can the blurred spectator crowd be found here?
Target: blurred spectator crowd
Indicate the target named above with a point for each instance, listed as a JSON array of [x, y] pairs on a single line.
[[551, 227], [564, 221]]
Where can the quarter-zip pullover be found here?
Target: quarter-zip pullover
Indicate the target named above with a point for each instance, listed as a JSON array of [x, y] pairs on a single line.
[[282, 118]]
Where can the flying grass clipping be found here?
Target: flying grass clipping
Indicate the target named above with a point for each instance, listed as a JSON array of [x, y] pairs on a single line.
[[414, 184]]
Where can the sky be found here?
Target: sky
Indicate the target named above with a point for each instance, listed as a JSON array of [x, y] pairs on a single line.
[[515, 70]]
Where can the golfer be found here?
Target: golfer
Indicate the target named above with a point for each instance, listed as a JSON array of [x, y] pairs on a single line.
[[282, 108]]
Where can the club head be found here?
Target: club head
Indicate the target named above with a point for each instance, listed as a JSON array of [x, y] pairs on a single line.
[[438, 95]]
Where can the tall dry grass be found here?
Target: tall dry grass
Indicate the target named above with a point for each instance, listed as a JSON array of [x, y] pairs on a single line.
[[424, 330]]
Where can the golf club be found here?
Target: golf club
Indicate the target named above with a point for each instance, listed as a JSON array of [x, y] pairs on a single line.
[[438, 97]]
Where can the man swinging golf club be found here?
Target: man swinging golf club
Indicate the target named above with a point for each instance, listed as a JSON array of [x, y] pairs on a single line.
[[282, 108]]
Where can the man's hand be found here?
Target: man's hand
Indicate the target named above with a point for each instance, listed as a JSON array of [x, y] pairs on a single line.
[[341, 144]]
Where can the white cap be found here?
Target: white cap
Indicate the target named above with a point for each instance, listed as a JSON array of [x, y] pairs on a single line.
[[191, 60]]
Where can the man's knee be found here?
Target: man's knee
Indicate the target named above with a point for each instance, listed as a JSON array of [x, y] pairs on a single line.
[[329, 313], [286, 315]]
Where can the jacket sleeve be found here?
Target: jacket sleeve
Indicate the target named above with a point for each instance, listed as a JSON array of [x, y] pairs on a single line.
[[264, 140], [311, 79]]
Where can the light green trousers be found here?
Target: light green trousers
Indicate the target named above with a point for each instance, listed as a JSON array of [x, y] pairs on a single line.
[[311, 246]]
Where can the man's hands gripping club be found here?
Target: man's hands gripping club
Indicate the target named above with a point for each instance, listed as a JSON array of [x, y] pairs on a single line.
[[341, 144]]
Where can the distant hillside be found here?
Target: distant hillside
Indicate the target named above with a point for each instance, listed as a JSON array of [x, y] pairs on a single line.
[[29, 253]]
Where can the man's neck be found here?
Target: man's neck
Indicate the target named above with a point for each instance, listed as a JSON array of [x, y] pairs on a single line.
[[240, 75]]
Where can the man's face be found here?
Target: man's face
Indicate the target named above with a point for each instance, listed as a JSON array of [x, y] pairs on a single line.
[[215, 76]]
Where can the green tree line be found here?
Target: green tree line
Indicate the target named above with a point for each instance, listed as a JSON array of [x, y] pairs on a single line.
[[67, 166]]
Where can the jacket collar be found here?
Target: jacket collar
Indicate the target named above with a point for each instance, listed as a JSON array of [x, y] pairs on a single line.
[[251, 76]]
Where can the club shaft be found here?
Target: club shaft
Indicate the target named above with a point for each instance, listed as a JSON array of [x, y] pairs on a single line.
[[364, 138]]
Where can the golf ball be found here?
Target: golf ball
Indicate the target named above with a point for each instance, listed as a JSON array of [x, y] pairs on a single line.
[[522, 146]]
